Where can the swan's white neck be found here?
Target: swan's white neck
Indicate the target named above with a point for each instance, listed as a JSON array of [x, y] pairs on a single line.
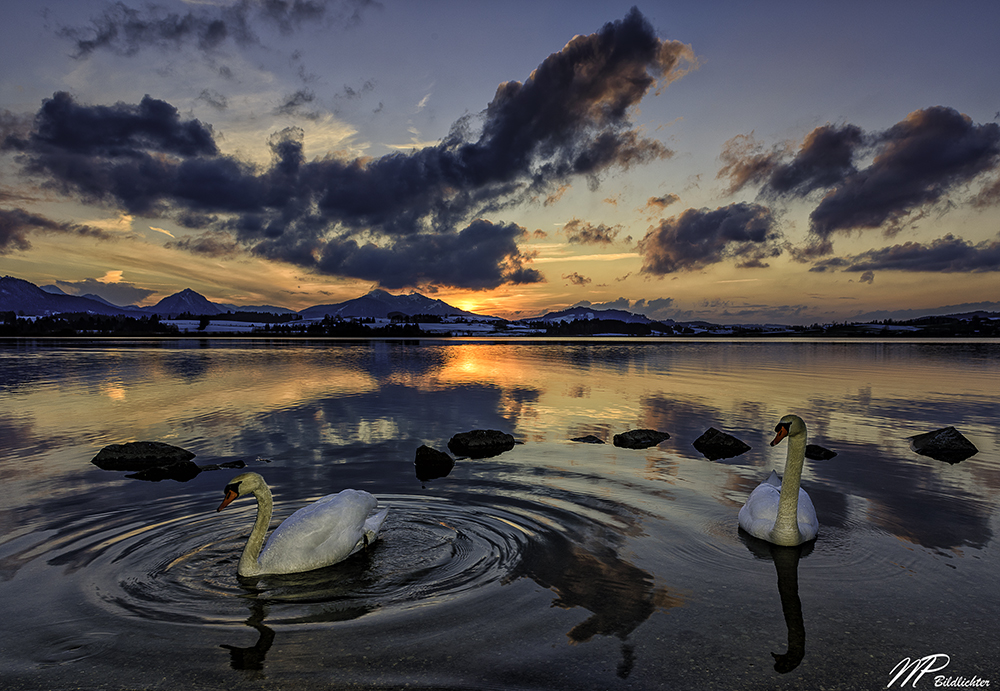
[[786, 525], [248, 565]]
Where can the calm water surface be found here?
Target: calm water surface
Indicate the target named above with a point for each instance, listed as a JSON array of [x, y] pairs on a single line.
[[556, 565]]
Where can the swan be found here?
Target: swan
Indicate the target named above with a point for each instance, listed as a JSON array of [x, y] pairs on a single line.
[[325, 532], [778, 510]]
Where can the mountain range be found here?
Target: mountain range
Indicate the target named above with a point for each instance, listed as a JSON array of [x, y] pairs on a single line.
[[26, 298]]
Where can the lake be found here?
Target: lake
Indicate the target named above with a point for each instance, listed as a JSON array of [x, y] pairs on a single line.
[[555, 565]]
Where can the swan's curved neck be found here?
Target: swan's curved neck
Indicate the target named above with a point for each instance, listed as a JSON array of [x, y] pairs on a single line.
[[248, 561], [786, 525]]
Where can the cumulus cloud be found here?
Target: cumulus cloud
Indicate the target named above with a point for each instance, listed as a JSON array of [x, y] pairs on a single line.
[[698, 238], [915, 164], [400, 218], [17, 224], [125, 30]]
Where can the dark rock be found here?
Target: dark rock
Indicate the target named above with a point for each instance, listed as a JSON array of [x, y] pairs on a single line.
[[818, 453], [946, 444], [139, 455], [714, 444], [182, 471], [481, 443], [639, 438], [431, 464], [589, 439]]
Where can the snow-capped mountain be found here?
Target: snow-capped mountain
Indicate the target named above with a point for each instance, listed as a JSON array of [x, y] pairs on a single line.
[[587, 313], [379, 304], [185, 301]]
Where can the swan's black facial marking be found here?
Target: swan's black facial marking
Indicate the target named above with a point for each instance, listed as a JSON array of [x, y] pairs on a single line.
[[780, 432], [231, 493]]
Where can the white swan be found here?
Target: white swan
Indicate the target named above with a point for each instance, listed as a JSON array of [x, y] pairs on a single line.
[[778, 510], [327, 531]]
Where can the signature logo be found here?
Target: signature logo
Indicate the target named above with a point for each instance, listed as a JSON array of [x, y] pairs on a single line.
[[909, 671]]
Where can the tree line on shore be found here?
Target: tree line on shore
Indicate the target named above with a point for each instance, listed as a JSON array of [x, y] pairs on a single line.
[[85, 324]]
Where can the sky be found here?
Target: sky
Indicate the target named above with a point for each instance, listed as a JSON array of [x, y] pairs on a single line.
[[766, 162]]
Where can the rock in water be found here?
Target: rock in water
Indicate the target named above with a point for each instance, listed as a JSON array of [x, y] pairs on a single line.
[[431, 464], [639, 438], [589, 439], [481, 443], [139, 455], [818, 453], [946, 444], [714, 444]]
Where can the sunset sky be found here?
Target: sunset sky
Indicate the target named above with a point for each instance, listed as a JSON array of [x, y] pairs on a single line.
[[732, 161]]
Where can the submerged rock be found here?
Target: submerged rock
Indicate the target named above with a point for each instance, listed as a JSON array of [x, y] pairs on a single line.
[[139, 455], [715, 444], [946, 444], [481, 443], [431, 464], [818, 453], [589, 439], [227, 464], [639, 438], [181, 471]]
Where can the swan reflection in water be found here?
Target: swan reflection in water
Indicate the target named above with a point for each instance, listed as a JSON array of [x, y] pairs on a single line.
[[330, 587], [586, 572], [786, 565], [252, 658]]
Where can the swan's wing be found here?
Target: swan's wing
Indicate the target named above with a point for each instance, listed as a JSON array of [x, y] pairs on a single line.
[[319, 534], [761, 510], [806, 517]]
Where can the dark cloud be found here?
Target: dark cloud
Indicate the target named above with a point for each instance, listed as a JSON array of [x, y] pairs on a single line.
[[700, 237], [392, 219], [943, 255], [295, 105], [214, 99], [125, 30], [658, 204], [17, 224], [746, 162], [988, 196], [577, 280], [120, 293], [214, 245], [62, 126], [657, 308], [617, 304], [586, 233], [825, 158], [915, 164], [482, 255]]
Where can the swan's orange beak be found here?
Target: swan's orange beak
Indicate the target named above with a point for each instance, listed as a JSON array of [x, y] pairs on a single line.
[[782, 432], [230, 495]]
